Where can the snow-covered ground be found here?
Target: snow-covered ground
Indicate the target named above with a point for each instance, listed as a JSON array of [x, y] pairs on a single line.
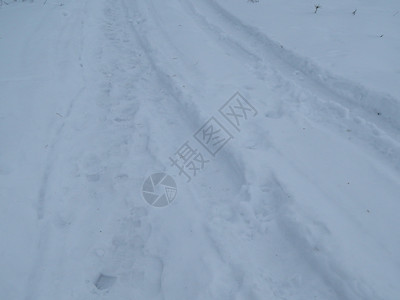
[[295, 197]]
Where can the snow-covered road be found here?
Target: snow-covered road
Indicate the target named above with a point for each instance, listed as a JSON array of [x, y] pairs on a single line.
[[298, 198]]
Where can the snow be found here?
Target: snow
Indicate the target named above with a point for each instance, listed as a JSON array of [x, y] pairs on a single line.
[[348, 45], [300, 203]]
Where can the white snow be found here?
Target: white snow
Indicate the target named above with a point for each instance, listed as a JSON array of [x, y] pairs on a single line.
[[302, 202]]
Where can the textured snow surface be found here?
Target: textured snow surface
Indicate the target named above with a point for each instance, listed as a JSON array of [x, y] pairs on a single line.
[[300, 202]]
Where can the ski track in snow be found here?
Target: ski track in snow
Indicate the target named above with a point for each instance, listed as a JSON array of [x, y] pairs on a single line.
[[243, 229]]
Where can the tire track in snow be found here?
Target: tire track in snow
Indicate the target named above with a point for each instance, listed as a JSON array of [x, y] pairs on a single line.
[[238, 287], [297, 234], [52, 157], [229, 163], [190, 112], [341, 91], [62, 46], [45, 227], [124, 124], [129, 257], [331, 277], [360, 109], [46, 232], [192, 116]]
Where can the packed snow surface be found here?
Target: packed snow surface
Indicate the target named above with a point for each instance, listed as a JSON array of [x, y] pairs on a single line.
[[271, 129]]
